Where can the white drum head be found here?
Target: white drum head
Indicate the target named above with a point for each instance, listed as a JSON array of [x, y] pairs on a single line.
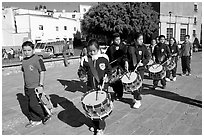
[[90, 99], [129, 77], [155, 68]]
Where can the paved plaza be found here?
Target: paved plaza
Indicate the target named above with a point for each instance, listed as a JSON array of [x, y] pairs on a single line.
[[176, 110]]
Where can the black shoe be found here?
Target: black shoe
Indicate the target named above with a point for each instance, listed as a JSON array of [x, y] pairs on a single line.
[[164, 86], [44, 121], [154, 87]]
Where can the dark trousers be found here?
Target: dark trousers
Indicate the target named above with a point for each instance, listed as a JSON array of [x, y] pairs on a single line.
[[163, 82], [137, 93], [173, 71], [185, 63], [36, 112], [118, 88], [99, 124]]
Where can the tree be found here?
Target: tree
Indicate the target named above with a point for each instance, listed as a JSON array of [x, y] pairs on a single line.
[[126, 18]]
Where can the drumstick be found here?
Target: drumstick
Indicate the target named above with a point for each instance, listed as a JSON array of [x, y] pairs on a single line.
[[101, 87], [137, 65]]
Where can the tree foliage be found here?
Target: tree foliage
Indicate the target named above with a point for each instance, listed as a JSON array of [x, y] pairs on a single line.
[[126, 18]]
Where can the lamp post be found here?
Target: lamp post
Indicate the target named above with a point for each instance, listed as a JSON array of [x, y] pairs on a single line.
[[169, 23]]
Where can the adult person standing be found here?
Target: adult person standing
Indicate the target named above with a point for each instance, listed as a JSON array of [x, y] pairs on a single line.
[[66, 52], [186, 55], [161, 54], [175, 52], [137, 55], [117, 57], [71, 47]]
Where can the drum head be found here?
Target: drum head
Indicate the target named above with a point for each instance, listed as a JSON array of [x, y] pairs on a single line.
[[155, 68], [129, 77], [90, 99]]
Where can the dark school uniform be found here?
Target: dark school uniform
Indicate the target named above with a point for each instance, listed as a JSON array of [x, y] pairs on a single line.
[[135, 54], [174, 51], [117, 55], [161, 54]]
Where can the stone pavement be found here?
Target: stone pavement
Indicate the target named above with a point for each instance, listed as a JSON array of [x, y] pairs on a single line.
[[176, 110]]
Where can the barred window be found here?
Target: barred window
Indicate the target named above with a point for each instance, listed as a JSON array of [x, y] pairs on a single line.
[[40, 27], [169, 33], [182, 34]]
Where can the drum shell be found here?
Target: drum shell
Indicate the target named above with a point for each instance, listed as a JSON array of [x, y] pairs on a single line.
[[157, 75], [135, 85], [100, 110]]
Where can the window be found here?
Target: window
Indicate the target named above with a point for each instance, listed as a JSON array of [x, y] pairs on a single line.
[[182, 34], [195, 7], [57, 28], [65, 27], [195, 20], [169, 33], [194, 33], [40, 27], [84, 9], [74, 28], [73, 16]]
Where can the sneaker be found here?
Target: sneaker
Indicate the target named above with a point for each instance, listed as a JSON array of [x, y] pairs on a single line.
[[167, 79], [91, 129], [188, 74], [33, 123], [44, 121], [99, 132], [174, 79], [137, 104], [183, 74]]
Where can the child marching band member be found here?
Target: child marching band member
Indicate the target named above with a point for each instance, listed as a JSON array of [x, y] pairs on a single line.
[[175, 52], [161, 54], [100, 63], [137, 55], [117, 54], [33, 73]]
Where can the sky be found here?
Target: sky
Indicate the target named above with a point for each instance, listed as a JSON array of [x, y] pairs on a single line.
[[68, 6]]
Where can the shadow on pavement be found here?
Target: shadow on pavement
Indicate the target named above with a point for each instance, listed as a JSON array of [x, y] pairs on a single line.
[[172, 96], [71, 115], [73, 85], [23, 102]]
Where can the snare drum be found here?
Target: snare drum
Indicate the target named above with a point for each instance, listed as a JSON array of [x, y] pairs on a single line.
[[157, 72], [97, 104], [170, 64], [132, 81]]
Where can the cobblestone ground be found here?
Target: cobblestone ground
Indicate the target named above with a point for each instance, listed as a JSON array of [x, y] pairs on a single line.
[[176, 110]]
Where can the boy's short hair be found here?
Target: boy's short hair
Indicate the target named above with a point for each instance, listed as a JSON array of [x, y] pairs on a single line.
[[93, 42], [28, 43], [188, 36], [115, 35], [161, 36]]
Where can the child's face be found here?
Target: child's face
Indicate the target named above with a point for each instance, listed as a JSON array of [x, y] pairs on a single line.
[[92, 50], [27, 51], [117, 40], [140, 40]]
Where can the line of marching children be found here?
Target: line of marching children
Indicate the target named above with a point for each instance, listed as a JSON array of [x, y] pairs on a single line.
[[94, 66]]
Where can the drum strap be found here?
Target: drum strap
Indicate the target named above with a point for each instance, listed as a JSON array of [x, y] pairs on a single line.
[[93, 70]]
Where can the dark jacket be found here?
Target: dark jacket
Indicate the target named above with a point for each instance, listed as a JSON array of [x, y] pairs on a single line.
[[174, 50], [139, 52], [101, 65], [119, 55], [161, 53]]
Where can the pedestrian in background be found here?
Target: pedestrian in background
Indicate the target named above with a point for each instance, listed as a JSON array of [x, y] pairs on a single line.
[[186, 55], [66, 53], [71, 47]]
